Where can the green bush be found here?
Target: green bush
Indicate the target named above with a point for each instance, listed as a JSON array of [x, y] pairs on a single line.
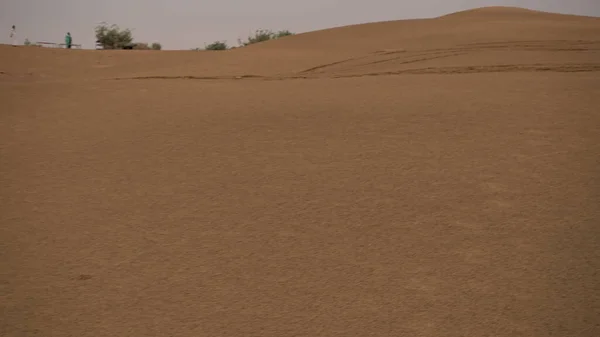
[[262, 35], [217, 45], [141, 46], [283, 33], [112, 37]]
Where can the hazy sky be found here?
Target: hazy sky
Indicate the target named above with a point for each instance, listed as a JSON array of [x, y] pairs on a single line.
[[185, 24]]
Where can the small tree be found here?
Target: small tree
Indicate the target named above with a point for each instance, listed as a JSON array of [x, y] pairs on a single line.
[[217, 45], [156, 46], [112, 37]]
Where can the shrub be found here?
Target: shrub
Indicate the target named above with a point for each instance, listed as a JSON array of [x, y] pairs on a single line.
[[283, 33], [262, 35], [217, 45], [141, 46], [156, 46], [112, 37]]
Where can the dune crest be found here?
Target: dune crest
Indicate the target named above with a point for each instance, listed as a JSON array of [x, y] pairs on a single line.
[[496, 10], [490, 39]]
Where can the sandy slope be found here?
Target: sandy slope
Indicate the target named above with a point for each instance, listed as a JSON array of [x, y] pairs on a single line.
[[415, 178]]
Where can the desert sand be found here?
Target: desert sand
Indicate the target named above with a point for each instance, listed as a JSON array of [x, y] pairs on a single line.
[[434, 177]]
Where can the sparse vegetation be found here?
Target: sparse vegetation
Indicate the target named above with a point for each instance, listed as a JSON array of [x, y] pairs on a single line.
[[217, 45], [262, 35], [27, 42], [283, 33], [113, 37]]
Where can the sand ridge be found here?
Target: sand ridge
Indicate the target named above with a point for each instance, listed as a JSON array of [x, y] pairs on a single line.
[[434, 177]]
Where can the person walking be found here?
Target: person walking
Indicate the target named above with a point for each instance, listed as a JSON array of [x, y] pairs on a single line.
[[68, 40], [13, 35]]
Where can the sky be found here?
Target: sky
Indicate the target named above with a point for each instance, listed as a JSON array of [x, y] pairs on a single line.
[[186, 24]]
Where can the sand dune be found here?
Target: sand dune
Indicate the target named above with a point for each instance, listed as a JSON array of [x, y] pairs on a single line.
[[432, 177]]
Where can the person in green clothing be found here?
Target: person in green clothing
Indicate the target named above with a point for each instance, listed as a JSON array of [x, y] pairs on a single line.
[[68, 40]]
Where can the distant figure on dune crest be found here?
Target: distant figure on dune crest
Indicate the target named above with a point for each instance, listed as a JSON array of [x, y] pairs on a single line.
[[13, 36], [68, 40]]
